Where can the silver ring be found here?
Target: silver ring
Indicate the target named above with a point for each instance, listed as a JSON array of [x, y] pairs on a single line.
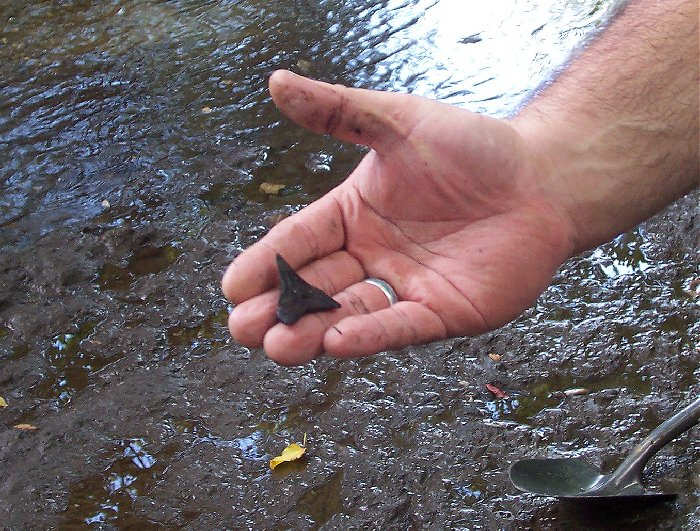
[[385, 287]]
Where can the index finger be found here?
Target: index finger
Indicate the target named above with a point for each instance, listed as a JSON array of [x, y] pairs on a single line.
[[308, 235]]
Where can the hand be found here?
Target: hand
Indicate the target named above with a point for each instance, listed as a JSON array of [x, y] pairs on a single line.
[[453, 209]]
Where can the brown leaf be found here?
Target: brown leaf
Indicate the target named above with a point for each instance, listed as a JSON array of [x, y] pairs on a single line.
[[25, 427], [496, 391], [495, 357]]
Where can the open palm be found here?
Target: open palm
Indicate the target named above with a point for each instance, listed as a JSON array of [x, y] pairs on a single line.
[[451, 208]]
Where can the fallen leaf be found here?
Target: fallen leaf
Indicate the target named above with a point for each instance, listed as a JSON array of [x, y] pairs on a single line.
[[291, 453], [693, 288], [25, 427], [2, 402], [576, 392], [271, 188], [496, 391], [495, 357], [304, 65], [206, 110]]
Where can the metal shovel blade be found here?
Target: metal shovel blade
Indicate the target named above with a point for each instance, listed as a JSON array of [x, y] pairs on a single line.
[[567, 479], [576, 479]]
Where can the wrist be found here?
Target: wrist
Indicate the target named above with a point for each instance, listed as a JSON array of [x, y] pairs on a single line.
[[551, 167], [605, 175], [559, 167], [617, 133]]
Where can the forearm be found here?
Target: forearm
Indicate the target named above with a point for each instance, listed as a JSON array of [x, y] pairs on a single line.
[[617, 133]]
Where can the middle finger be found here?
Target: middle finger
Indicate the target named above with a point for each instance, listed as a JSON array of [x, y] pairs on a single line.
[[303, 341], [251, 319]]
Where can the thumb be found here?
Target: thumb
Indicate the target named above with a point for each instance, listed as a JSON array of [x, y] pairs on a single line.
[[373, 118]]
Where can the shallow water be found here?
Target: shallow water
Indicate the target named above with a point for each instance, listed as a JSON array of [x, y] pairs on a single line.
[[134, 138]]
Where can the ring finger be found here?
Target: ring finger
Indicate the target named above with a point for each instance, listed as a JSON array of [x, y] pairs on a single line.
[[303, 341], [251, 319]]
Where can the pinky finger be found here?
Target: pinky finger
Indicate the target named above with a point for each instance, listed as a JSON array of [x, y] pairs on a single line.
[[402, 324]]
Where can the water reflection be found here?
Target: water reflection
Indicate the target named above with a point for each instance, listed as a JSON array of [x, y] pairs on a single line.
[[70, 365], [139, 457], [502, 408], [625, 256], [248, 445], [96, 98], [470, 493], [105, 498], [146, 260]]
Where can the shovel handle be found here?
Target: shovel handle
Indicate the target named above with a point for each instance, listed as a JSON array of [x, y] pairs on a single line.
[[631, 468]]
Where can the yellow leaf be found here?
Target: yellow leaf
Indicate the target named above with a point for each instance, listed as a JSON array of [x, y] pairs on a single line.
[[291, 453], [2, 402], [25, 427], [271, 188]]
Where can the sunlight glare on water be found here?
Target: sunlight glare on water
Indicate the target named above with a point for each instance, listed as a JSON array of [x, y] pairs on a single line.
[[93, 94]]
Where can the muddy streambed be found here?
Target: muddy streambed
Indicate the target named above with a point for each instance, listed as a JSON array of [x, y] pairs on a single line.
[[134, 137]]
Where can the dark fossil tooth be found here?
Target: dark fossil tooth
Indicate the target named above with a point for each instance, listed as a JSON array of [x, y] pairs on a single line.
[[298, 297]]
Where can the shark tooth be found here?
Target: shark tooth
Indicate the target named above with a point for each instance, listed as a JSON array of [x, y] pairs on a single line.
[[298, 297]]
